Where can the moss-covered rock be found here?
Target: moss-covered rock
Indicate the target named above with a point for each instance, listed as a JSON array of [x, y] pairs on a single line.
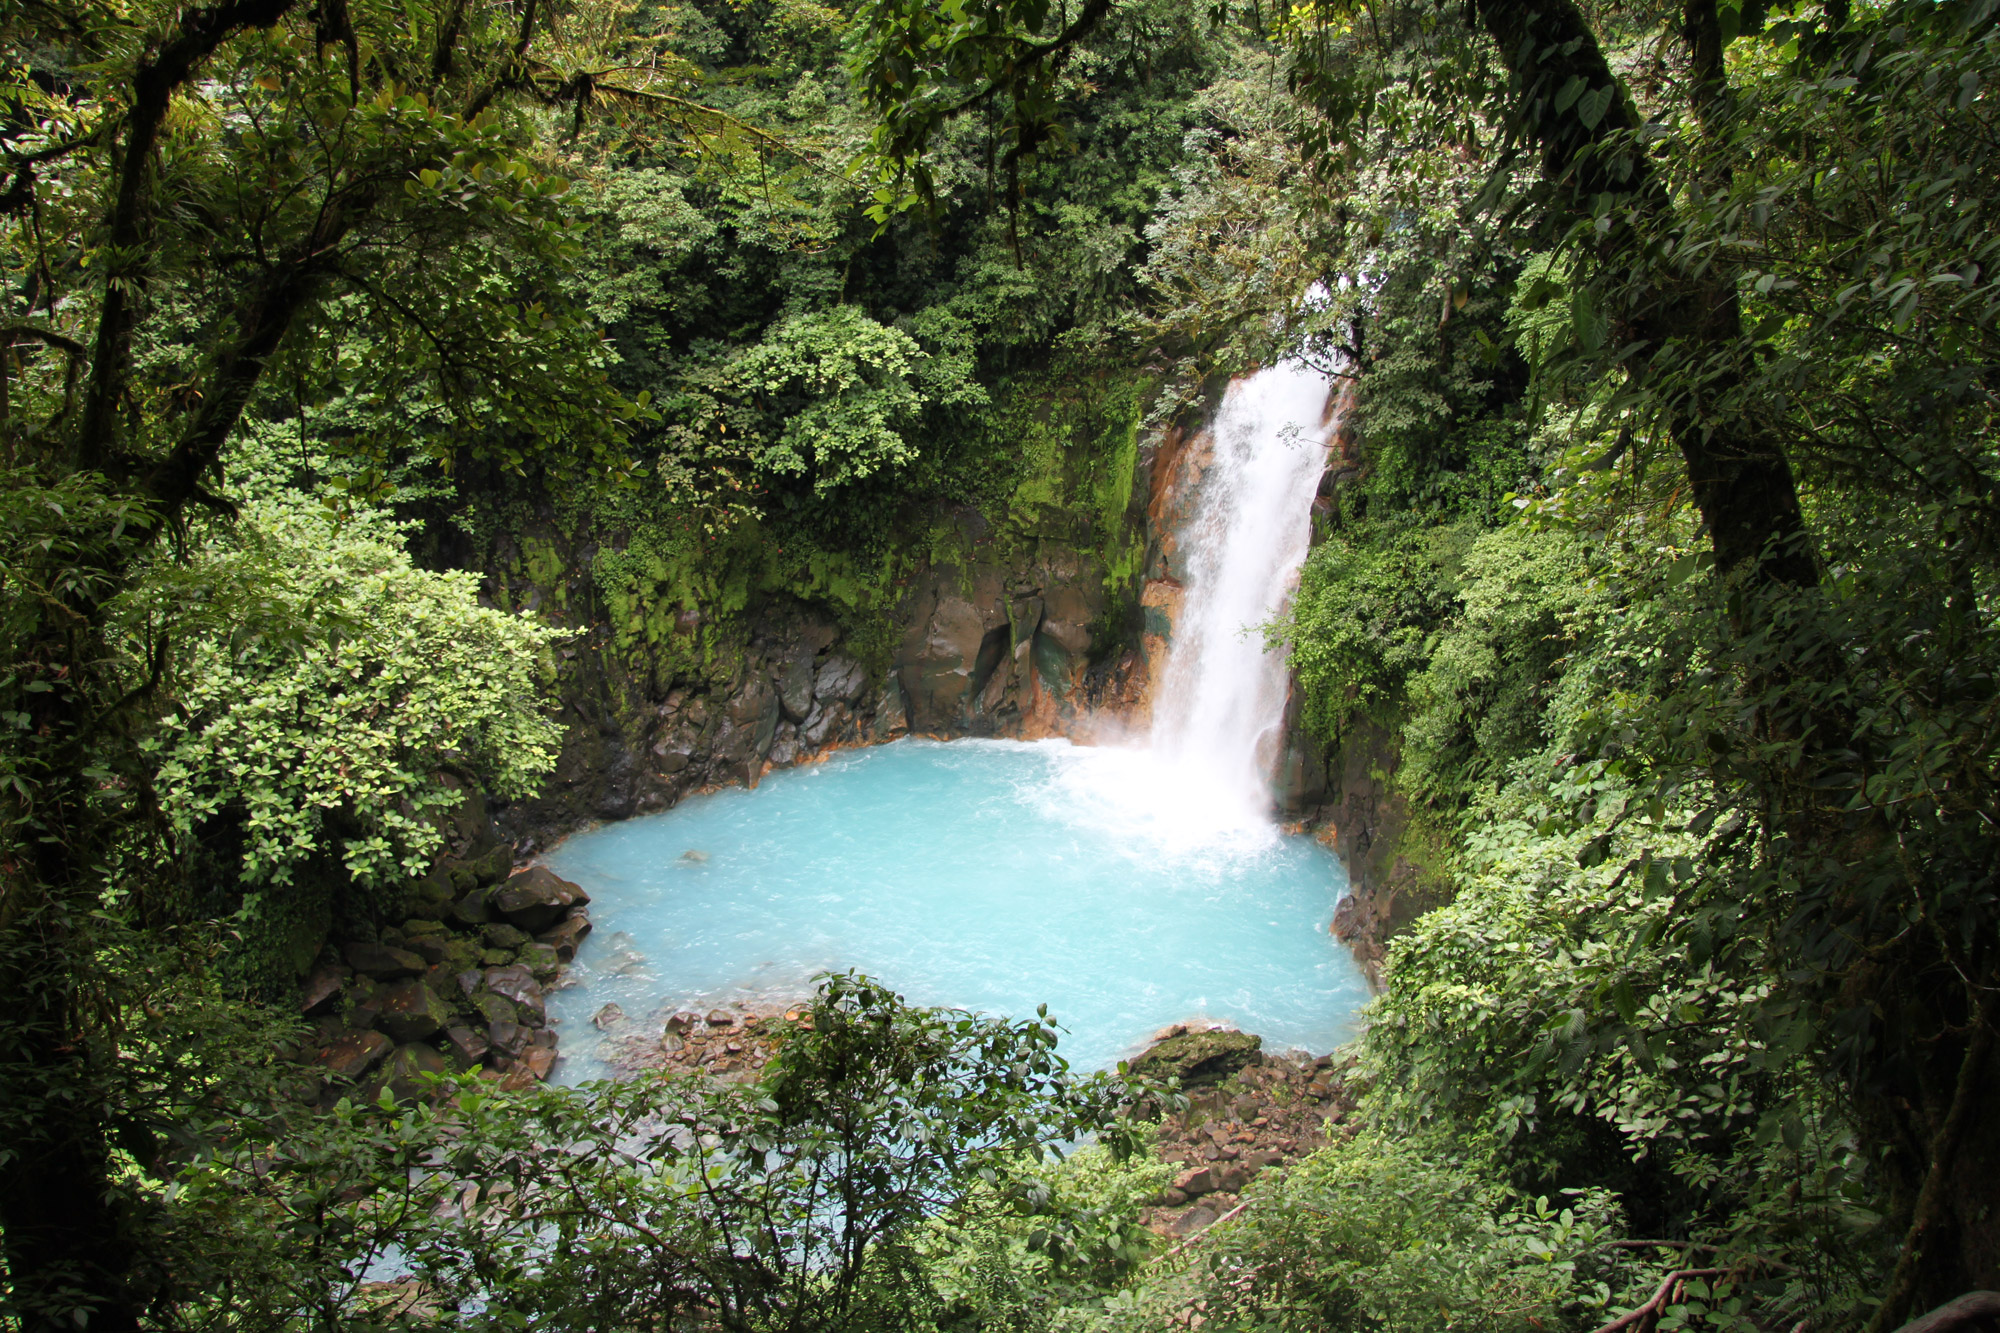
[[1200, 1059]]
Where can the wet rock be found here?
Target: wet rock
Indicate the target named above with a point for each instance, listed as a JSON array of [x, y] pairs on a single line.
[[384, 962], [824, 724], [1200, 1059], [891, 719], [467, 1045], [795, 688], [566, 934], [536, 899], [349, 1054], [609, 1017], [508, 1040], [720, 1018], [785, 745], [411, 1011], [694, 855], [518, 984], [682, 1023], [840, 680]]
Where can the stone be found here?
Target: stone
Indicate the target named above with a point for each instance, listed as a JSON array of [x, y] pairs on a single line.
[[536, 899], [500, 935], [785, 745], [795, 688], [518, 984], [497, 1009], [470, 980], [824, 724], [384, 962], [349, 1054], [469, 1045], [492, 866], [418, 925], [509, 1039], [495, 957], [682, 1023], [567, 934], [609, 1017], [541, 959], [1196, 1180], [719, 1018], [694, 855], [840, 680], [891, 718], [1199, 1059], [539, 1060], [1198, 1218], [470, 910], [411, 1011], [321, 989], [433, 949]]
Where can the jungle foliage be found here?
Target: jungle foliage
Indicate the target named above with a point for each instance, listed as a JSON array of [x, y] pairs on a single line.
[[1670, 568]]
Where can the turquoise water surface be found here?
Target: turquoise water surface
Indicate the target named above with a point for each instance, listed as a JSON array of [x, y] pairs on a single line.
[[989, 875]]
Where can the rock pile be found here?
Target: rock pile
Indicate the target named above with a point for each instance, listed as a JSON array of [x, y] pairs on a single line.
[[733, 1043], [458, 986], [1270, 1111]]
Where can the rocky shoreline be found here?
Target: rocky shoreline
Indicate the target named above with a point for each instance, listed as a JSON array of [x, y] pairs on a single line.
[[458, 987]]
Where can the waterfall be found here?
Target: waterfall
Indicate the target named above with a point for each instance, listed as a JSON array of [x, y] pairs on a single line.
[[1218, 711]]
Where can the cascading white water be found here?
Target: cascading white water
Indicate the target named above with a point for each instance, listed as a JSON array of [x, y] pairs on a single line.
[[1220, 705]]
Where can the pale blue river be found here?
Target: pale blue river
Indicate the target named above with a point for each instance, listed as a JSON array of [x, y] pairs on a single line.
[[987, 875]]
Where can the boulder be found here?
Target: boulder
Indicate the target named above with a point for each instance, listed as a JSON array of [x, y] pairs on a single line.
[[840, 680], [433, 949], [720, 1018], [321, 990], [795, 688], [500, 935], [518, 984], [536, 899], [411, 1011], [384, 962], [1196, 1181], [349, 1054], [541, 959], [567, 933], [509, 1039], [539, 1060], [609, 1017], [492, 866], [470, 910], [467, 1045], [1200, 1059], [497, 1009]]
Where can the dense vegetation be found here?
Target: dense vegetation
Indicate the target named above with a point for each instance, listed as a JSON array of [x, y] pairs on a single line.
[[1669, 577]]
